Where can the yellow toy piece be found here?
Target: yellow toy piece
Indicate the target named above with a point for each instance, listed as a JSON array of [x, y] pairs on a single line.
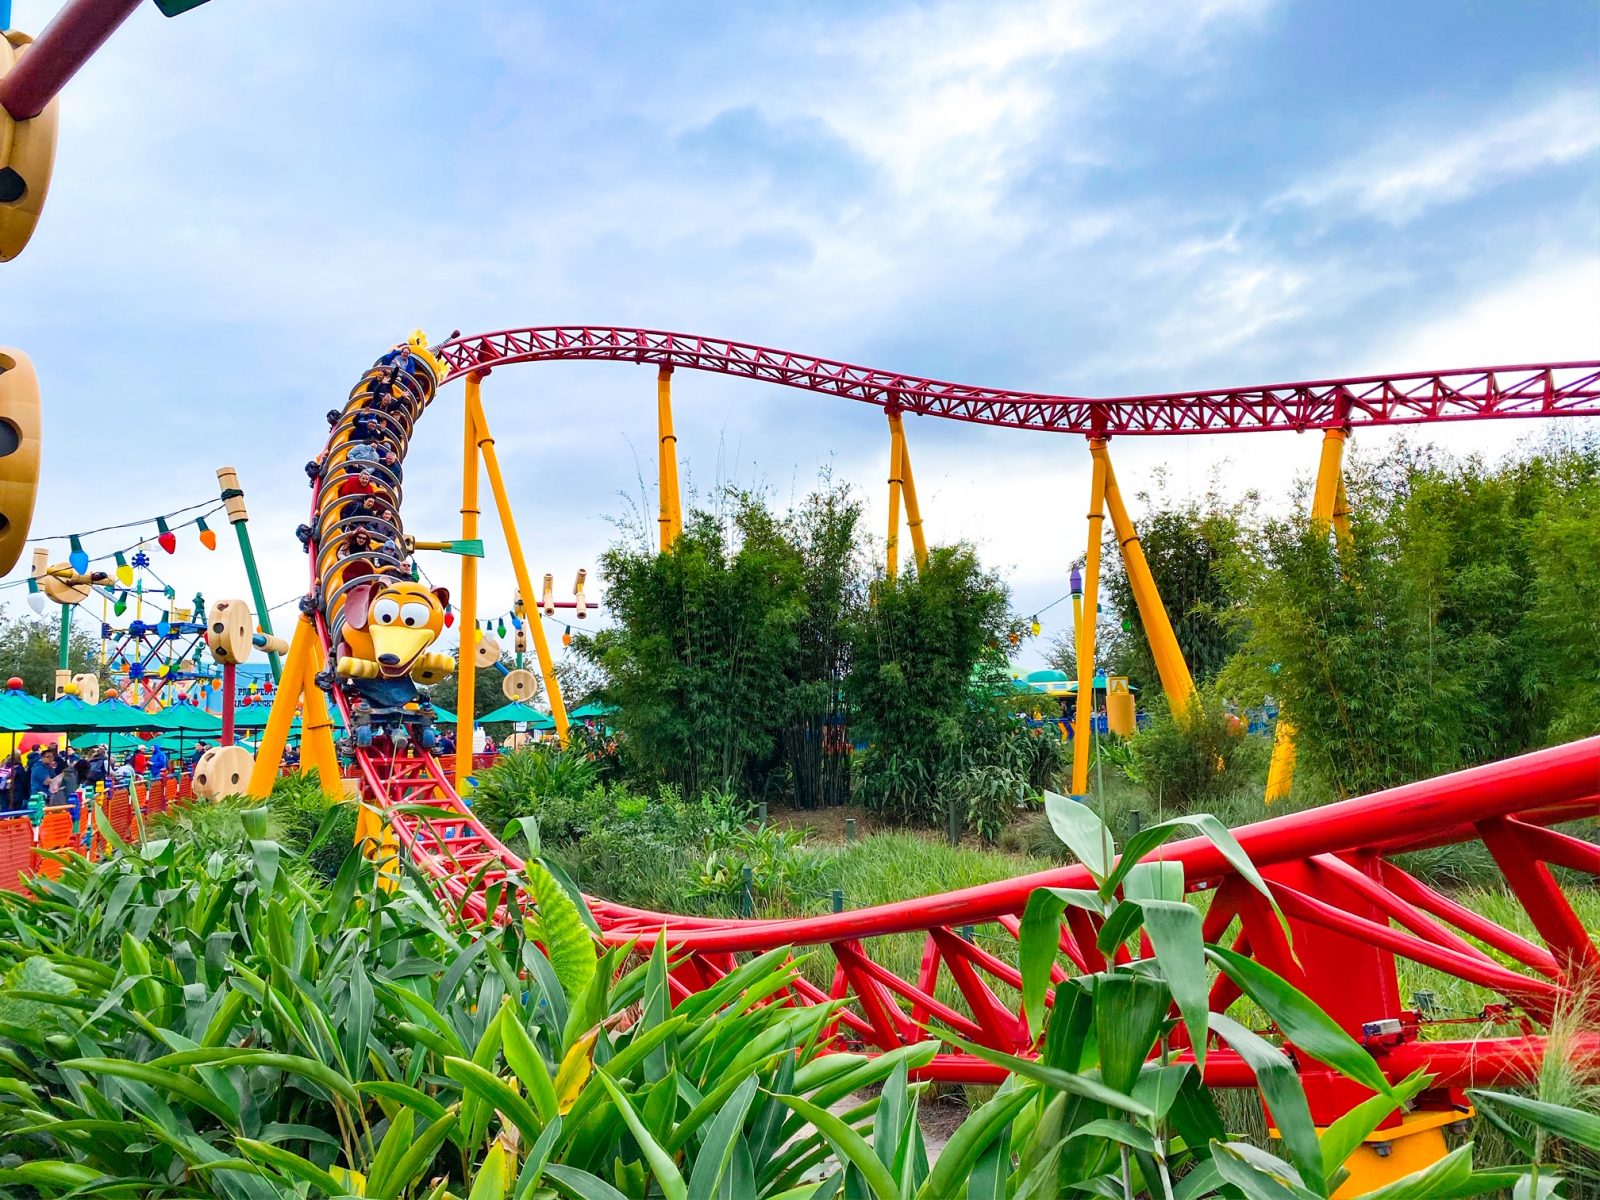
[[27, 157], [222, 771], [388, 627], [20, 428]]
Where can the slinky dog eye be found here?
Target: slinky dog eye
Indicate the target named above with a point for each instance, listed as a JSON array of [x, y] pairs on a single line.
[[386, 612], [414, 616]]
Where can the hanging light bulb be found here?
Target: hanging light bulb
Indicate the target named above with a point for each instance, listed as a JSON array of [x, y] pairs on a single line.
[[1075, 582], [208, 537], [78, 560], [516, 622], [449, 618], [566, 638], [167, 539], [1034, 627], [164, 626], [124, 571], [120, 605], [36, 600], [500, 628]]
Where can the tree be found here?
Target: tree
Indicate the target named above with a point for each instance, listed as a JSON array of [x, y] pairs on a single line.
[[30, 650], [915, 648], [698, 658]]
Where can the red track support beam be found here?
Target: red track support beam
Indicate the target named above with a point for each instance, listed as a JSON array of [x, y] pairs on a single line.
[[73, 35], [1466, 394]]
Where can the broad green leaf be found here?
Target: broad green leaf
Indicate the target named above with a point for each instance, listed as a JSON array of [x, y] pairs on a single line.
[[1174, 932], [1129, 1011], [1302, 1021], [1077, 1085], [1259, 1175], [961, 1154], [711, 1164], [992, 1170], [1083, 832], [1154, 881], [1568, 1124], [661, 1165], [234, 1056], [1339, 1140], [557, 926], [1148, 839], [492, 1180], [290, 1164], [528, 1065], [580, 1184], [420, 1154], [380, 1182], [497, 1094], [1120, 1132], [1280, 1086], [849, 1145], [181, 1086]]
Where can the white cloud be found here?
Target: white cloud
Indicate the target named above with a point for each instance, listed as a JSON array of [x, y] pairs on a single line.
[[1413, 170]]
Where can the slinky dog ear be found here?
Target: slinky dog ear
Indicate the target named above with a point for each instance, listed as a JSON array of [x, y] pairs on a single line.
[[444, 596]]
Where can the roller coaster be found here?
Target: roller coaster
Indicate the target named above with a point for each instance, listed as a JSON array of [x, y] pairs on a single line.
[[1351, 912]]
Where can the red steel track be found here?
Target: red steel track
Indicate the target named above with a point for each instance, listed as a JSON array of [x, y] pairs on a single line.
[[1351, 909], [1569, 389]]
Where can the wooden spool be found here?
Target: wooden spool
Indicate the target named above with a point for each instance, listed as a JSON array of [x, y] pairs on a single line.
[[20, 428], [222, 771], [520, 685], [88, 687], [487, 652], [229, 631]]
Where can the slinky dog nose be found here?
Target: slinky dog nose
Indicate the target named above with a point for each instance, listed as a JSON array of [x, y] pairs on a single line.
[[389, 660]]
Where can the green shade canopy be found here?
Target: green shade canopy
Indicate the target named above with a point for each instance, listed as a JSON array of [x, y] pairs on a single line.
[[69, 714], [254, 716], [127, 743], [595, 708], [443, 715], [185, 718], [518, 711], [20, 712]]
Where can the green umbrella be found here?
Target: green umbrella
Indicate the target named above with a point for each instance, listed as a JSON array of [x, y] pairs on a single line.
[[69, 714], [518, 711], [595, 708], [19, 712], [185, 718], [255, 716]]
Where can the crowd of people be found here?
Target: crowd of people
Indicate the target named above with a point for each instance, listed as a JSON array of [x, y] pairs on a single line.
[[53, 772]]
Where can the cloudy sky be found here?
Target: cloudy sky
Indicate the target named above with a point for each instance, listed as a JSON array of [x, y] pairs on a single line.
[[251, 201]]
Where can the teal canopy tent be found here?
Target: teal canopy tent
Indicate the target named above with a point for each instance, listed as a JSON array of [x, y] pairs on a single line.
[[517, 711]]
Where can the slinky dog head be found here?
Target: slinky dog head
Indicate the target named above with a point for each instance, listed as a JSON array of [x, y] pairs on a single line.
[[392, 622]]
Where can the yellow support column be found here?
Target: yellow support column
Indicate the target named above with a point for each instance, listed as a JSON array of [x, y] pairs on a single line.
[[1084, 711], [666, 465], [291, 688], [1329, 507], [467, 605], [316, 727], [519, 565], [897, 448], [1175, 678], [908, 487]]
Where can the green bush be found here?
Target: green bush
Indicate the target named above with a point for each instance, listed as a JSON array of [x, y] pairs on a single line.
[[522, 782], [1198, 761]]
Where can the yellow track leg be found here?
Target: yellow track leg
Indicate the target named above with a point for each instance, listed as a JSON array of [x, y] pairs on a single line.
[[1329, 506], [467, 602], [666, 465], [897, 451], [291, 687], [908, 489], [508, 526], [1086, 623], [1175, 678], [316, 728]]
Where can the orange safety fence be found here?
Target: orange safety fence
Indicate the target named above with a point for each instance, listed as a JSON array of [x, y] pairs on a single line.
[[16, 851], [55, 833]]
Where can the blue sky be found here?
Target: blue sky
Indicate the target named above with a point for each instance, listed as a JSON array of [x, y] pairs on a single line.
[[252, 200]]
